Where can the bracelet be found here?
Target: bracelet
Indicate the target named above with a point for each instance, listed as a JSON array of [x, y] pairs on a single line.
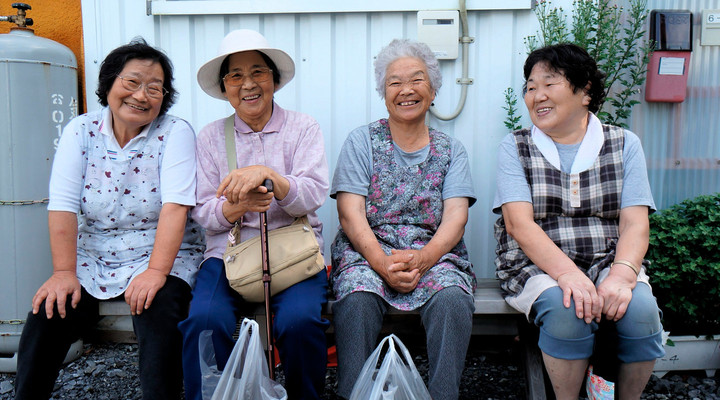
[[629, 264]]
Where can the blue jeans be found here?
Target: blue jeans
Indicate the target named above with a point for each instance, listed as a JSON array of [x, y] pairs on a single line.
[[298, 328], [565, 336], [446, 316]]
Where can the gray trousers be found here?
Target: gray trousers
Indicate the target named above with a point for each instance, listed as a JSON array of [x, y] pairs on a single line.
[[447, 318]]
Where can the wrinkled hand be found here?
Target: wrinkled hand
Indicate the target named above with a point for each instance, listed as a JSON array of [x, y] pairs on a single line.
[[616, 293], [588, 305], [418, 260], [56, 289], [244, 185], [257, 200], [397, 273], [142, 290]]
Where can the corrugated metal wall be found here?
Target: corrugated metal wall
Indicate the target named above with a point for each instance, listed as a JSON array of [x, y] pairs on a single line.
[[682, 141], [334, 83]]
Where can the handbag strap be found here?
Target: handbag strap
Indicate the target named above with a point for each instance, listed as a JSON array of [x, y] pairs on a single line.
[[231, 160], [230, 143]]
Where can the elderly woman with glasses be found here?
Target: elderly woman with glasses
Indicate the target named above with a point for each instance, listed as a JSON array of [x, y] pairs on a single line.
[[121, 187], [403, 191], [271, 143]]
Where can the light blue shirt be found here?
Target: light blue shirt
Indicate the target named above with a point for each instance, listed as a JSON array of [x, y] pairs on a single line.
[[512, 184], [354, 168]]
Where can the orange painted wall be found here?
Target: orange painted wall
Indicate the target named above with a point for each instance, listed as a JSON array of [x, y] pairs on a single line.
[[60, 21]]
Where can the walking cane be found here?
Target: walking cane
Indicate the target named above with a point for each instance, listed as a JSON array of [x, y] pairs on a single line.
[[266, 283]]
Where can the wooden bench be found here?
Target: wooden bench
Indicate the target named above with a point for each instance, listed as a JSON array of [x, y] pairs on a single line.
[[492, 316]]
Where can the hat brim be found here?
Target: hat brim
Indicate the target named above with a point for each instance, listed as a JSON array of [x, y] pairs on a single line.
[[208, 76]]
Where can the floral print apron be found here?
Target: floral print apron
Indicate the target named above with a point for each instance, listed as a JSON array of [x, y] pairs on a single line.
[[404, 208], [120, 207]]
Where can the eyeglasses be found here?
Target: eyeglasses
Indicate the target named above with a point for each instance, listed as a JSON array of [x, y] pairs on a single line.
[[398, 84], [258, 74], [154, 90]]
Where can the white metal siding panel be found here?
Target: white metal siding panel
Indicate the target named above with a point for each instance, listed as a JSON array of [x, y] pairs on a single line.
[[335, 84], [198, 7]]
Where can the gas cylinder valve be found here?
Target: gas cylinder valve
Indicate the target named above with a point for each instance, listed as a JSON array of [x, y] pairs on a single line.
[[20, 18]]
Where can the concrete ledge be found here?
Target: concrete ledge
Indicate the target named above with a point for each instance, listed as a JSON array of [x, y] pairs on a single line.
[[9, 364]]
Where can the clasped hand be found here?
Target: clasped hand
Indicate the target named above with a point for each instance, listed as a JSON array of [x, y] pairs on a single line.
[[244, 186], [403, 269]]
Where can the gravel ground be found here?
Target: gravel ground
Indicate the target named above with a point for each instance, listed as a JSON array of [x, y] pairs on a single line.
[[493, 370]]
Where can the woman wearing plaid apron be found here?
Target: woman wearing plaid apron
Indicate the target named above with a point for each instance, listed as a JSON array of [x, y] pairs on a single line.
[[574, 200]]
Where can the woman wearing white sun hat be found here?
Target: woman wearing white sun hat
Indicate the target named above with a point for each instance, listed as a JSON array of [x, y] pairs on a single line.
[[271, 143]]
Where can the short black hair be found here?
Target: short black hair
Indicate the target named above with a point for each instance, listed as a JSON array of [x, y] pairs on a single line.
[[576, 65], [225, 68], [137, 49]]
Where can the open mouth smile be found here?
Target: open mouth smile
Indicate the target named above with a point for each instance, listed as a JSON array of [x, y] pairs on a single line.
[[543, 110], [408, 103], [136, 107]]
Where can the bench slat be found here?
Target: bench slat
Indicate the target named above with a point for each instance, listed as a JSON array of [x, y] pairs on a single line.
[[488, 300], [113, 307]]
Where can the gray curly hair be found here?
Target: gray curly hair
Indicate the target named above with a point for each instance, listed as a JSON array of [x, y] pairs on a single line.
[[400, 48]]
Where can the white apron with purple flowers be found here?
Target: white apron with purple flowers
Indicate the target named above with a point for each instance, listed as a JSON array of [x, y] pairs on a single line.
[[120, 208]]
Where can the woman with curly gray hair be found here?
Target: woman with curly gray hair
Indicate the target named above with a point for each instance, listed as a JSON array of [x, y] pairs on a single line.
[[403, 191]]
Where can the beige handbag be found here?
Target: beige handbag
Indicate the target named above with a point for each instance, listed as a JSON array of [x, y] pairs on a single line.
[[294, 253], [294, 256]]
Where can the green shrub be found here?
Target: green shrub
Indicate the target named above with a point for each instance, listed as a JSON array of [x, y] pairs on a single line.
[[685, 265]]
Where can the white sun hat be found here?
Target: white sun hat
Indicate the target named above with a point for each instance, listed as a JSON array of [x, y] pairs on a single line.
[[235, 42]]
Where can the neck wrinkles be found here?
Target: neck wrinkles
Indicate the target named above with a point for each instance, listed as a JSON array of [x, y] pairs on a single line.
[[409, 136]]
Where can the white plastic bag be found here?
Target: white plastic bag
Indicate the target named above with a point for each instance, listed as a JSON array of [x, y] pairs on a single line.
[[397, 378], [208, 365], [246, 375]]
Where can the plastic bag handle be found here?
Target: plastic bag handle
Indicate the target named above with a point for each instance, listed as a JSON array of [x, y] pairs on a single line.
[[393, 342], [404, 350], [375, 356], [403, 382], [396, 377]]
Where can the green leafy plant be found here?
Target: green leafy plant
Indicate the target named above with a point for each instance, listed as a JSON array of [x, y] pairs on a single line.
[[612, 36], [685, 265], [512, 122], [553, 27]]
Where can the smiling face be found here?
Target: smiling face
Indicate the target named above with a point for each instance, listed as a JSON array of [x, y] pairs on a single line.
[[252, 101], [553, 106], [131, 111], [408, 94]]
